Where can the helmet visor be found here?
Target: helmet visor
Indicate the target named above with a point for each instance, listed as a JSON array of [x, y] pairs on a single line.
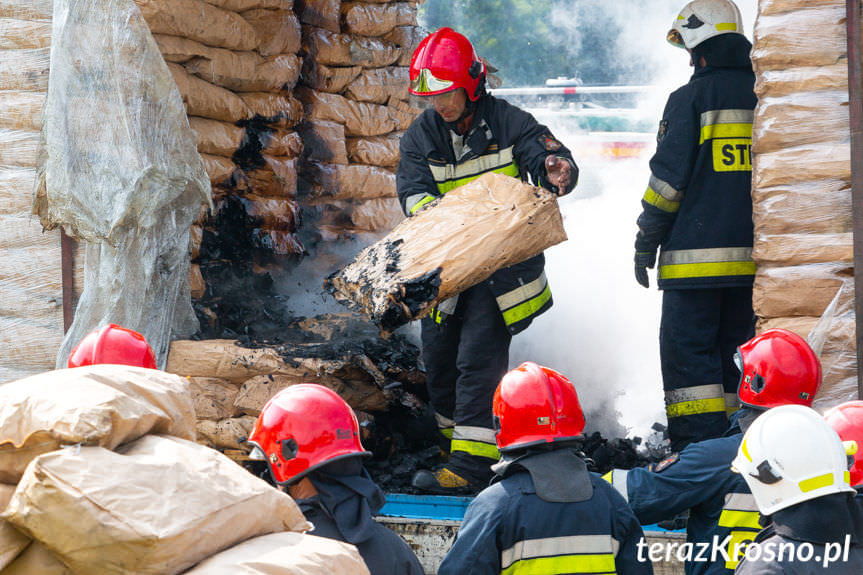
[[427, 84], [675, 39]]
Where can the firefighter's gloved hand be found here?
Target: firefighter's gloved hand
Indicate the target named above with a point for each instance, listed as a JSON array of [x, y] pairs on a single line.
[[644, 260], [559, 172]]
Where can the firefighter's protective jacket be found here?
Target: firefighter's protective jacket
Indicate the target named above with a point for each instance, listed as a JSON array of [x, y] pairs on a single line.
[[697, 206], [823, 535], [510, 529], [722, 511], [502, 139]]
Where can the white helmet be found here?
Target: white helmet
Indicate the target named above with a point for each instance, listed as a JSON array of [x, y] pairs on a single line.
[[703, 19], [790, 454]]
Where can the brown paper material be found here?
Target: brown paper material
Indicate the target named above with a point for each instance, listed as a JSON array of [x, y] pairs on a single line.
[[217, 138], [378, 215], [243, 5], [333, 49], [321, 13], [213, 397], [278, 31], [285, 554], [32, 10], [122, 522], [379, 85], [197, 285], [803, 290], [811, 37], [324, 141], [274, 107], [271, 74], [36, 559], [448, 247], [105, 405], [16, 188], [359, 118], [219, 168], [25, 70], [807, 163], [208, 100], [12, 541], [21, 110], [19, 34], [179, 50], [822, 207], [804, 248], [276, 178], [200, 21], [801, 118], [328, 78], [377, 19], [375, 151], [226, 434], [349, 182], [777, 83]]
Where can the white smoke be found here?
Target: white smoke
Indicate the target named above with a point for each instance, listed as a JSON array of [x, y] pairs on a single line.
[[603, 331]]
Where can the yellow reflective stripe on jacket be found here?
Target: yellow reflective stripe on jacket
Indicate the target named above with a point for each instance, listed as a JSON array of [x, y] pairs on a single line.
[[598, 564], [522, 293], [566, 554], [474, 441], [726, 124], [415, 202], [706, 263], [740, 515], [450, 176], [528, 308], [732, 403], [655, 199], [694, 400]]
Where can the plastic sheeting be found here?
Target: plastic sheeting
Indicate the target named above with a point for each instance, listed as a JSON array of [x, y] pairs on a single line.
[[120, 171], [832, 339]]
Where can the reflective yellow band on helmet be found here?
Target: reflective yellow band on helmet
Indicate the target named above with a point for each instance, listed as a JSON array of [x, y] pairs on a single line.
[[528, 308], [814, 483], [656, 200], [744, 450], [563, 564], [727, 27], [426, 83]]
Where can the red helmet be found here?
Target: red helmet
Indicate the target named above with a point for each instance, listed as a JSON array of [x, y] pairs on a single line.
[[777, 368], [113, 344], [303, 427], [445, 61], [847, 420], [534, 405]]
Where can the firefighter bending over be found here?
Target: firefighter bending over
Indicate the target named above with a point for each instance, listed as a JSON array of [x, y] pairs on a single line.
[[698, 208], [466, 339]]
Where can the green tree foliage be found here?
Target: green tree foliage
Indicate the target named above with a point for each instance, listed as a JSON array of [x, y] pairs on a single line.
[[532, 40]]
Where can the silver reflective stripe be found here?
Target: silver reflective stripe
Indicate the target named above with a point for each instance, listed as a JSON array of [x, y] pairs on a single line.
[[552, 546], [707, 255], [740, 502], [473, 167], [731, 400], [448, 306], [522, 293], [413, 200], [481, 434], [711, 391], [664, 189], [727, 117], [443, 422], [618, 481]]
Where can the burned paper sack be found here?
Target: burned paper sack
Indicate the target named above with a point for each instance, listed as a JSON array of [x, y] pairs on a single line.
[[488, 224]]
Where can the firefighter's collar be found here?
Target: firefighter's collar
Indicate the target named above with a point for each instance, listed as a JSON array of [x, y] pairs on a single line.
[[559, 476]]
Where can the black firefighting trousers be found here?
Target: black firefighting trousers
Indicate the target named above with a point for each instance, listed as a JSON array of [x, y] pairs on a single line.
[[698, 336], [465, 357]]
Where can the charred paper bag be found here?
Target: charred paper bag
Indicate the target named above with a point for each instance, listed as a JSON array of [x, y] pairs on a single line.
[[156, 506], [12, 541], [285, 554], [104, 405], [490, 223]]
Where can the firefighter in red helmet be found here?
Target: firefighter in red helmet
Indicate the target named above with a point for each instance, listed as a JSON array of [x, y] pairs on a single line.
[[847, 420], [113, 344], [310, 439], [545, 512], [466, 339], [775, 368]]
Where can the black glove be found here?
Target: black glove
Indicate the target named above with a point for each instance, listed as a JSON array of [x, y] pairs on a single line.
[[644, 260]]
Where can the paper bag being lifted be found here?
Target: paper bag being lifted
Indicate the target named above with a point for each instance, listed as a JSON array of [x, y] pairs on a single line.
[[488, 224], [104, 405], [157, 506], [285, 554]]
